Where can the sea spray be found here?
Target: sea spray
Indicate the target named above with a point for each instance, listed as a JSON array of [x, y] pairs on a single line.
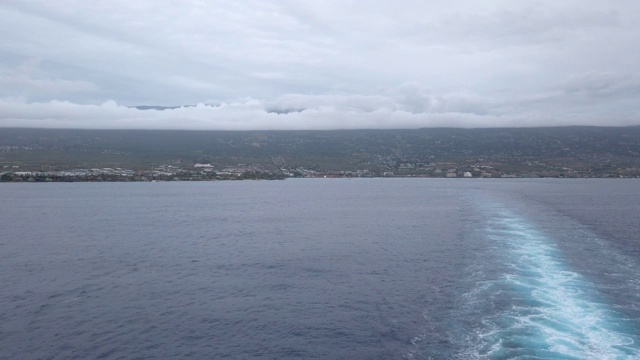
[[539, 306]]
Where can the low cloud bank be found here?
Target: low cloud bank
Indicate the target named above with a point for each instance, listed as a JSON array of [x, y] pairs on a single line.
[[295, 112]]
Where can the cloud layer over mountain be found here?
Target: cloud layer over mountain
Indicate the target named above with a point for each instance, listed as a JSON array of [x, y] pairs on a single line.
[[319, 65]]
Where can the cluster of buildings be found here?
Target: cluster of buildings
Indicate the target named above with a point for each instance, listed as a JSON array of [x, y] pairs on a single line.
[[198, 172], [207, 172], [102, 174]]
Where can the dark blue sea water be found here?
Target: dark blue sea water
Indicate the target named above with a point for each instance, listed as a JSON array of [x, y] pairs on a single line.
[[321, 269]]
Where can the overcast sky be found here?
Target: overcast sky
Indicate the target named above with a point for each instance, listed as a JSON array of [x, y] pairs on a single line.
[[295, 64]]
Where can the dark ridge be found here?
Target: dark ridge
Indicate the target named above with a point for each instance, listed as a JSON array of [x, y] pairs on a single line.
[[161, 108], [600, 149]]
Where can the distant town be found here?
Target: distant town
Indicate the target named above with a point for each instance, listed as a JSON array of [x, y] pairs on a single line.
[[46, 155], [207, 172]]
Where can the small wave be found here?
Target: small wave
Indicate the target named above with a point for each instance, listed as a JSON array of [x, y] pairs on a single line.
[[73, 299], [541, 308]]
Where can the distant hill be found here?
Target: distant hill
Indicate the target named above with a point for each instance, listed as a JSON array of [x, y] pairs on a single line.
[[375, 150], [155, 107]]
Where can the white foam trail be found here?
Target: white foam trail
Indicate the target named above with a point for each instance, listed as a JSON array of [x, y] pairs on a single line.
[[548, 311]]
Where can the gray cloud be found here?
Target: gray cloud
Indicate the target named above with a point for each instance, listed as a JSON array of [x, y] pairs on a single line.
[[329, 64], [23, 81], [247, 114], [593, 86]]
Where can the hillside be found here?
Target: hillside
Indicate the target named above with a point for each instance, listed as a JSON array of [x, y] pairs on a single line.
[[585, 151]]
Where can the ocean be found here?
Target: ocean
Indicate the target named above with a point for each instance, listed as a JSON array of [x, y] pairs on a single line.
[[321, 269]]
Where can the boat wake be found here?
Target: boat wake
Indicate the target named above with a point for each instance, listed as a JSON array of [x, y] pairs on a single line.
[[539, 307]]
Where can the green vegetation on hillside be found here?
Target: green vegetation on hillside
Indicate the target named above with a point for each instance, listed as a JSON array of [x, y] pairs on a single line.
[[558, 151]]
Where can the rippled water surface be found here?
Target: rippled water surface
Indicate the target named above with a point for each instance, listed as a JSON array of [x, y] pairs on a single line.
[[321, 268]]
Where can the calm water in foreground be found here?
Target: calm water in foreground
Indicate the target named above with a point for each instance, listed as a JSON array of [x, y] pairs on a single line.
[[321, 269]]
